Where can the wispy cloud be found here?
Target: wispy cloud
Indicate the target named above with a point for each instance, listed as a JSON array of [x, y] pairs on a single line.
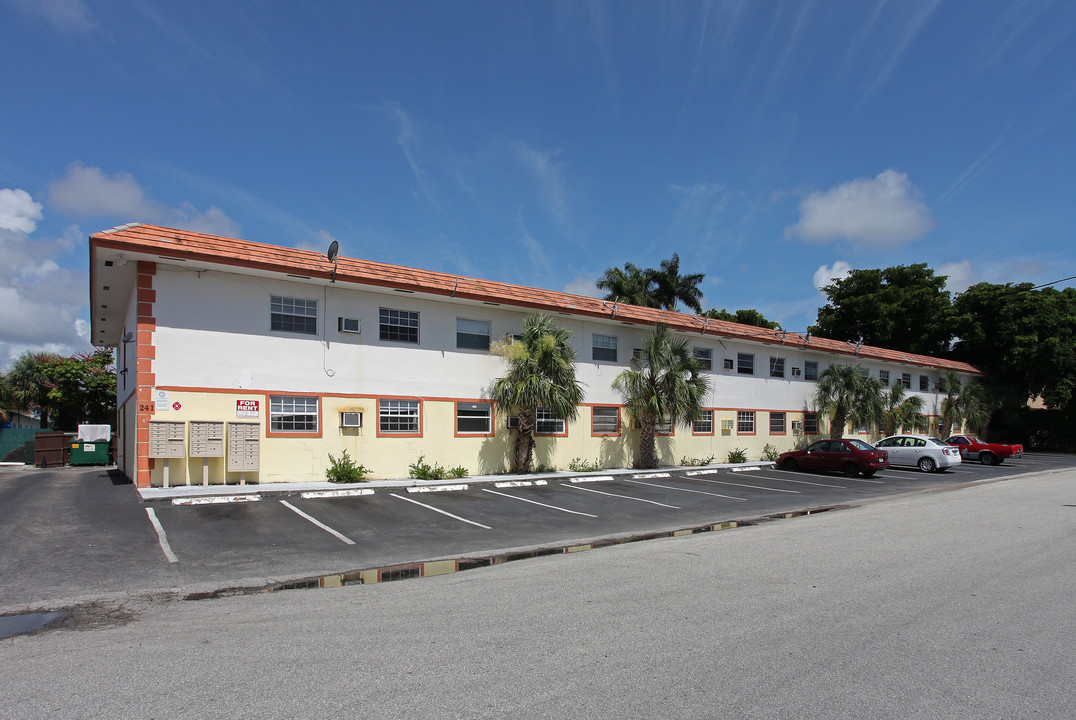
[[548, 174], [980, 165], [70, 16], [909, 32], [407, 137], [873, 212]]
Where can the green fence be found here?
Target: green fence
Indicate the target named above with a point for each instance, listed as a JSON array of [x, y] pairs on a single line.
[[17, 445]]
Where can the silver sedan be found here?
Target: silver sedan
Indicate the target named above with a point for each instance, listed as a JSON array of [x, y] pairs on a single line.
[[921, 451]]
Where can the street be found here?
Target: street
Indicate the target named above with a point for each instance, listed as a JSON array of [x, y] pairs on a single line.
[[940, 604]]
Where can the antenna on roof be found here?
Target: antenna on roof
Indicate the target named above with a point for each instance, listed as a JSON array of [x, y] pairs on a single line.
[[331, 253]]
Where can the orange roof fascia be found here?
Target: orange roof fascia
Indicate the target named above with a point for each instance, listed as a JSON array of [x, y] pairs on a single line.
[[194, 246]]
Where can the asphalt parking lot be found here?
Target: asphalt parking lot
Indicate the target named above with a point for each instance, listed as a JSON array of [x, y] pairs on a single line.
[[76, 532]]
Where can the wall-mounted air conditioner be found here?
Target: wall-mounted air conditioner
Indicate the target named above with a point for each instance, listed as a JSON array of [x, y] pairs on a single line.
[[797, 425], [351, 419], [726, 424], [728, 363], [796, 372], [347, 325]]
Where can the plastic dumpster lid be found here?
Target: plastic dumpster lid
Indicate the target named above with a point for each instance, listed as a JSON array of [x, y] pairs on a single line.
[[94, 433]]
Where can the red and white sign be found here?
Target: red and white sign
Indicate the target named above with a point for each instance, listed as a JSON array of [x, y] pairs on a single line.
[[177, 406], [247, 408]]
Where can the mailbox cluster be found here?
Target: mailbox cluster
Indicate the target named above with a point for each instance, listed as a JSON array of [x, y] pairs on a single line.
[[167, 440]]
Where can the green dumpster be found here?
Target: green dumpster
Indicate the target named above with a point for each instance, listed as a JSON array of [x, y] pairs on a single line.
[[89, 453]]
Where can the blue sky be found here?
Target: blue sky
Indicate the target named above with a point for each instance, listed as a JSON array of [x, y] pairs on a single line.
[[772, 145]]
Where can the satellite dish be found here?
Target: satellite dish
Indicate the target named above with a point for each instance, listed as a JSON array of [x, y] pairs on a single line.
[[334, 248]]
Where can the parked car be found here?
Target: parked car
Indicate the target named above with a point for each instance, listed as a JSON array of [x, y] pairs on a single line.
[[921, 451], [972, 448], [848, 456]]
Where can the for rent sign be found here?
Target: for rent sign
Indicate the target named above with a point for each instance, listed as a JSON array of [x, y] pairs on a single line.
[[247, 408]]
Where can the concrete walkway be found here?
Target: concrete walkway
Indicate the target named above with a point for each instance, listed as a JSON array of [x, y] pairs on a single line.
[[190, 492]]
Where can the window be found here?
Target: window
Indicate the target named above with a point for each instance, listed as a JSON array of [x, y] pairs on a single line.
[[292, 413], [470, 334], [605, 421], [943, 384], [664, 426], [293, 315], [399, 325], [906, 380], [474, 418], [883, 377], [704, 357], [637, 355], [398, 417], [810, 370], [777, 423], [745, 363], [777, 367], [705, 424], [745, 421], [604, 348], [924, 383], [548, 423], [865, 372], [810, 423]]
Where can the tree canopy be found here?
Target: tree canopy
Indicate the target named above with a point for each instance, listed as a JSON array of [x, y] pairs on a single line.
[[657, 288], [902, 308], [744, 317], [65, 390]]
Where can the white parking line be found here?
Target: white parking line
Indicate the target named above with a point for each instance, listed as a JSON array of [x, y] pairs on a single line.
[[161, 536], [753, 487], [317, 522], [439, 510], [698, 492], [801, 482], [626, 497], [535, 502]]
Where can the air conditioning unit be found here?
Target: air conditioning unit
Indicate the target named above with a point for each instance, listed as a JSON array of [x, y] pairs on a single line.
[[728, 363], [797, 425], [513, 422], [351, 419], [726, 425], [347, 325], [796, 372]]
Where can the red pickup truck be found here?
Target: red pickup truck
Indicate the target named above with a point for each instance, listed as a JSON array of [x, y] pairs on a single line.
[[972, 448]]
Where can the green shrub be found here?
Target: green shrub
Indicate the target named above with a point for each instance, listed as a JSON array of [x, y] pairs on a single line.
[[543, 468], [739, 455], [424, 471], [581, 465], [770, 453], [694, 462], [345, 470], [458, 472]]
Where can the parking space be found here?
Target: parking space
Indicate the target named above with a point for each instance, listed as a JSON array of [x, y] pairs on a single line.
[[290, 536]]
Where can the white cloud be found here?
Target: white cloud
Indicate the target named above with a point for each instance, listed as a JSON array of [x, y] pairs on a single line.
[[960, 275], [583, 286], [826, 274], [87, 192], [885, 210], [549, 175], [18, 211], [41, 303]]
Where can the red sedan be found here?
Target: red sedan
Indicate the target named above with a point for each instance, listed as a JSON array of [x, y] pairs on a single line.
[[973, 448], [848, 456]]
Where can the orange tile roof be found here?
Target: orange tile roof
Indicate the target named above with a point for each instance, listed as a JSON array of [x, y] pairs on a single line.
[[195, 246]]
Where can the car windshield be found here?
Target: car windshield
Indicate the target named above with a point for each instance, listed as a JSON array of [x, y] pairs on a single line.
[[859, 444], [936, 441]]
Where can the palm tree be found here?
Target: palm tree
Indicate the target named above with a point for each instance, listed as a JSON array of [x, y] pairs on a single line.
[[672, 286], [899, 410], [846, 393], [541, 374], [30, 382], [963, 403], [630, 285], [6, 400], [666, 385]]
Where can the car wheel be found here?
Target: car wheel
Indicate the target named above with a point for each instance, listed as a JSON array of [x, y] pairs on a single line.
[[790, 465], [851, 470], [988, 458], [927, 464], [868, 473]]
